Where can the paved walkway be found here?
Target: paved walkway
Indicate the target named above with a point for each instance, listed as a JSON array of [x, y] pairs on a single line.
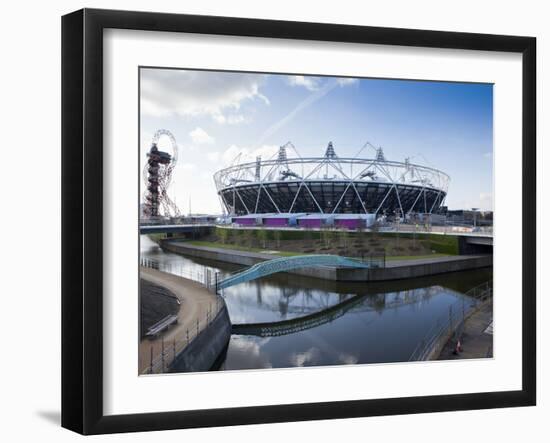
[[477, 337], [429, 260], [195, 301]]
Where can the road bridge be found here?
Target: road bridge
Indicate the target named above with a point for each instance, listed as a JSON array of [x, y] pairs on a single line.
[[475, 244], [191, 228]]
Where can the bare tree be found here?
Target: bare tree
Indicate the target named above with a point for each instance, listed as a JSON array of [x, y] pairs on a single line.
[[277, 235], [262, 237]]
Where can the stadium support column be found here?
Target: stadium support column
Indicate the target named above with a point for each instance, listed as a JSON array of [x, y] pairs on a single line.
[[258, 168]]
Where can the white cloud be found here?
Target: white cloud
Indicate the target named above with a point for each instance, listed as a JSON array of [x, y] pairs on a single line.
[[234, 119], [186, 166], [346, 81], [201, 137], [166, 92], [213, 156], [312, 83], [488, 154], [347, 359], [309, 357], [308, 82], [253, 350]]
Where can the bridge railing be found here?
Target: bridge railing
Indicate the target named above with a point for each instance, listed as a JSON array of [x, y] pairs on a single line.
[[284, 264], [215, 282], [451, 325], [374, 260]]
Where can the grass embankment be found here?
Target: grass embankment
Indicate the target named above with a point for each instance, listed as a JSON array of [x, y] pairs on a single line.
[[394, 245], [155, 303], [211, 244], [156, 237]]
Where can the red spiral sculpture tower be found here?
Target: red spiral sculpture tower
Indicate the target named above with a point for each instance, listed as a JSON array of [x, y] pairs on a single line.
[[158, 176]]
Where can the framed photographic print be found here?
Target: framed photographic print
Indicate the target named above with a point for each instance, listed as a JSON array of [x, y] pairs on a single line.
[[270, 221]]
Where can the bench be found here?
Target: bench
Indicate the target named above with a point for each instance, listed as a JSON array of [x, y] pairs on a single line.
[[161, 325]]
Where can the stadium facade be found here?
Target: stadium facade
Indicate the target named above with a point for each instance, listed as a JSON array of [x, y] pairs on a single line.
[[330, 185]]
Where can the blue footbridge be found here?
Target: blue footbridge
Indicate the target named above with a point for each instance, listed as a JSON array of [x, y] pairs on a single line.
[[285, 264], [213, 282], [362, 302]]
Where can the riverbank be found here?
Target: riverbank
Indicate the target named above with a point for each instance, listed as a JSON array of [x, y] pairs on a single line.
[[476, 338], [200, 313], [394, 269], [285, 253], [307, 324]]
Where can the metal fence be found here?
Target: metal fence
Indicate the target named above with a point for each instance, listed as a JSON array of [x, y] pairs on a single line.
[[161, 362], [451, 325], [205, 276], [374, 260]]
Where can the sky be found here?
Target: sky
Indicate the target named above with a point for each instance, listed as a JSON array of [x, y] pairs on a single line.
[[216, 115]]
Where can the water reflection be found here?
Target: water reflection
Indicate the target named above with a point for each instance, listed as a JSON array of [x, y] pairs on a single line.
[[312, 322]]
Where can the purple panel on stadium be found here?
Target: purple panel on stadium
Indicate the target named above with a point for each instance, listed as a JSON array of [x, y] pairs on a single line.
[[310, 222], [350, 223], [276, 222], [245, 221]]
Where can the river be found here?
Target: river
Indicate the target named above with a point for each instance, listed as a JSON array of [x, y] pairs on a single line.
[[380, 322]]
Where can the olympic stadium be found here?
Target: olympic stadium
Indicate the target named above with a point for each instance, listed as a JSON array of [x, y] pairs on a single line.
[[330, 185]]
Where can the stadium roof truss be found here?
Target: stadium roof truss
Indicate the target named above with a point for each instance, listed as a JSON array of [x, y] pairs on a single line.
[[330, 184]]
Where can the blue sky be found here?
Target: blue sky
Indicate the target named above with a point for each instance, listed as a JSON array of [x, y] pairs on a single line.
[[216, 115]]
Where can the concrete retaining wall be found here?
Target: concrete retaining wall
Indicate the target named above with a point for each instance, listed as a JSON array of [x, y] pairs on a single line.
[[203, 351], [390, 272], [415, 270]]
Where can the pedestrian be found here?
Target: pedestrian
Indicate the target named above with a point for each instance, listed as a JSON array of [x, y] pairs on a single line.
[[458, 347]]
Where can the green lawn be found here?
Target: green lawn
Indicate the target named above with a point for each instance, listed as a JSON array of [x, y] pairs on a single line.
[[240, 248], [290, 254]]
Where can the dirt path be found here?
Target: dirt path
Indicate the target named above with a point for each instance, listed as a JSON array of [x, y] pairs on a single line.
[[196, 304]]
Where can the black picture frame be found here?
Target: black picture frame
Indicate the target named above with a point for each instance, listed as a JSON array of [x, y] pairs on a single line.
[[82, 190]]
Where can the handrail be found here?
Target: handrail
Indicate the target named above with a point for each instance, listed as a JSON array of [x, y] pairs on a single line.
[[450, 323], [161, 325], [284, 264], [172, 348]]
